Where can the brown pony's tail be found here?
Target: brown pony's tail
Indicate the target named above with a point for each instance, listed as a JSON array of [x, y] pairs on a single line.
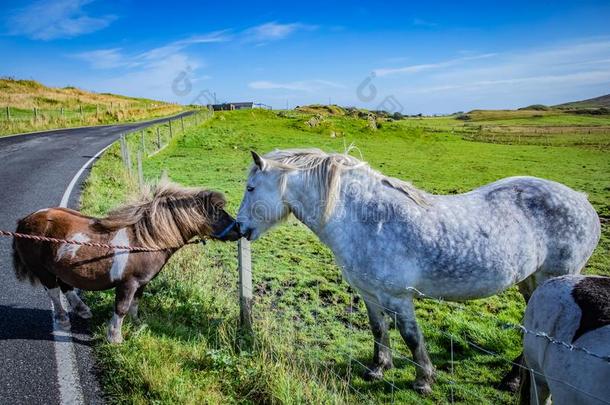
[[22, 271]]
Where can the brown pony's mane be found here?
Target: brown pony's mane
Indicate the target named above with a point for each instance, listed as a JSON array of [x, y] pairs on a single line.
[[165, 215]]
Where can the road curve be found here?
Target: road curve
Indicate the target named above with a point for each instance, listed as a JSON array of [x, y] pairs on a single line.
[[35, 170]]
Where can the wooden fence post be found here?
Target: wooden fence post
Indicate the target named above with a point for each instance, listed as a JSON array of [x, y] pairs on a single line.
[[97, 111], [182, 122], [129, 166], [35, 114], [126, 154], [123, 150], [245, 285], [81, 111], [140, 171], [143, 142], [8, 113], [158, 139], [61, 112], [171, 133]]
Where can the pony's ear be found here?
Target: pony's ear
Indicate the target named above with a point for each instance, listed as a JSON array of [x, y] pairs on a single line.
[[259, 161]]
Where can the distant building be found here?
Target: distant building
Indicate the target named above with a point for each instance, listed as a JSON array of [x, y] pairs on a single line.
[[232, 106]]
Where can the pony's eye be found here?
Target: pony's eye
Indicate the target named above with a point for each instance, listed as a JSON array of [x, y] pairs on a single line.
[[250, 188]]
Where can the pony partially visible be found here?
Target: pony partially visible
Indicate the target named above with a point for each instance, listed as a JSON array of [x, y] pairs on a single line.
[[164, 218], [574, 310], [391, 239]]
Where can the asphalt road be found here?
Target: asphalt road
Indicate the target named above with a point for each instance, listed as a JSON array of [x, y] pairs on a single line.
[[35, 170]]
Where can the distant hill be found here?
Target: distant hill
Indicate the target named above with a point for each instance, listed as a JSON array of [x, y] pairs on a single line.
[[30, 93], [597, 102], [27, 105]]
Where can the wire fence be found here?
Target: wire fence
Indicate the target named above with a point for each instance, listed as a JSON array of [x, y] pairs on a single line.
[[76, 112], [14, 119], [143, 143], [354, 367]]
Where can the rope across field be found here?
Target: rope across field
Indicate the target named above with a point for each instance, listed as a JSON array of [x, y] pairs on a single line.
[[46, 239]]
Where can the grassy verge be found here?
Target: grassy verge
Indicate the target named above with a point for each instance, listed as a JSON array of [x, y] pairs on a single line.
[[27, 106], [50, 120], [311, 331]]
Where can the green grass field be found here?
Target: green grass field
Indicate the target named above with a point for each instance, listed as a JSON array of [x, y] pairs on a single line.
[[311, 332]]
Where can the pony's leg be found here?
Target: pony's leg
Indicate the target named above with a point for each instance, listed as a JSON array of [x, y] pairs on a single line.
[[78, 306], [533, 394], [411, 334], [382, 354], [60, 314], [122, 302], [133, 309], [510, 382], [527, 287]]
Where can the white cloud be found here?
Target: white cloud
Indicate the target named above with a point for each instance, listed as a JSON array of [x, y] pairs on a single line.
[[304, 85], [103, 58], [154, 80], [151, 72], [585, 57], [52, 19], [568, 79], [273, 31], [115, 57], [173, 47], [547, 75], [429, 66]]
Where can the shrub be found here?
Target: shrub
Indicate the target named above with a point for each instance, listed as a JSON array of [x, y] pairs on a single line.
[[537, 107]]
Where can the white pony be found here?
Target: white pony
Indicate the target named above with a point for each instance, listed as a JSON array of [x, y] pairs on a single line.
[[574, 310], [390, 238]]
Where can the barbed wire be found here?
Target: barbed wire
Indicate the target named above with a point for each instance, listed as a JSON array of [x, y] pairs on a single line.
[[506, 325], [519, 327]]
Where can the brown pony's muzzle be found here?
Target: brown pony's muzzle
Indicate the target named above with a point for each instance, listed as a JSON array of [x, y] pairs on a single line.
[[226, 229]]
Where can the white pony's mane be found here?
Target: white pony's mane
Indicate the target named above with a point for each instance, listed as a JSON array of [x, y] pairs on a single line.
[[325, 170]]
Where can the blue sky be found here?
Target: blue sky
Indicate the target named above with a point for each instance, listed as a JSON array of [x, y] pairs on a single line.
[[414, 57]]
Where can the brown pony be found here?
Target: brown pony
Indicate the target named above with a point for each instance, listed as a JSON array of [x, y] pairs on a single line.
[[165, 219]]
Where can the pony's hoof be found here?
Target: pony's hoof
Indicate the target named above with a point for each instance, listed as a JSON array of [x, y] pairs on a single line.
[[509, 385], [63, 322], [115, 338], [84, 313], [422, 387], [374, 374]]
